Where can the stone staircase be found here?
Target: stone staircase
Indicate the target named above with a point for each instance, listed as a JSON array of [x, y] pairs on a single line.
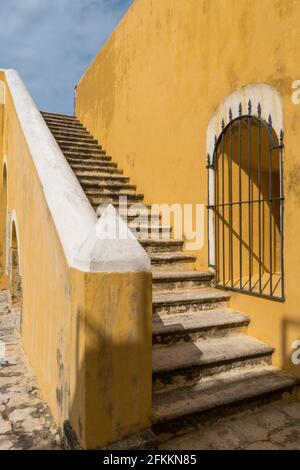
[[205, 366]]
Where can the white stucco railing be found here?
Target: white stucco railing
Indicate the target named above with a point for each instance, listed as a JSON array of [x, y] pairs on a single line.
[[74, 218]]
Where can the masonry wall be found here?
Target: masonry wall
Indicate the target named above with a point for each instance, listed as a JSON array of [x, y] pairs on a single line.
[[149, 96]]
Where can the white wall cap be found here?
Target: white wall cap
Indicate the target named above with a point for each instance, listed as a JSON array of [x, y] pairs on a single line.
[[73, 216], [112, 247]]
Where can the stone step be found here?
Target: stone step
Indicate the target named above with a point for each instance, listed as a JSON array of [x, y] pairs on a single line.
[[82, 147], [170, 261], [78, 131], [92, 162], [112, 190], [229, 393], [87, 140], [149, 231], [112, 197], [93, 155], [59, 116], [101, 167], [55, 125], [185, 363], [182, 279], [162, 246], [191, 326], [61, 122], [132, 212], [70, 133], [183, 300], [95, 160], [98, 176], [65, 121], [95, 186]]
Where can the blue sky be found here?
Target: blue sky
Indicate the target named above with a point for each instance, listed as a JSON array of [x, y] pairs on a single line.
[[51, 43]]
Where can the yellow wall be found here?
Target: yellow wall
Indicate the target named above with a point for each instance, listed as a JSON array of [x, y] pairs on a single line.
[[150, 94], [3, 277], [112, 347], [87, 336]]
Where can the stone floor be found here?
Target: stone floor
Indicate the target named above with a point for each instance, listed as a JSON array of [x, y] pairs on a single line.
[[273, 427], [25, 421]]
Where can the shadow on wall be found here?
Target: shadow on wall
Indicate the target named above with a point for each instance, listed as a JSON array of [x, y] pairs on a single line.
[[111, 391]]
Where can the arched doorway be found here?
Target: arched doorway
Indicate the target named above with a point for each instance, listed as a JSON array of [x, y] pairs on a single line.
[[15, 280], [248, 205]]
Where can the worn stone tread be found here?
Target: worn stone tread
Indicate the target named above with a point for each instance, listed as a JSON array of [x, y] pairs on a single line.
[[96, 167], [221, 390], [91, 176], [73, 143], [97, 162], [172, 257], [208, 352], [182, 276], [202, 294], [203, 320], [93, 156], [58, 115]]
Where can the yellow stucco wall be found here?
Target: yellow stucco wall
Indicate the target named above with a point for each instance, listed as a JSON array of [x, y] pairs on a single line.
[[86, 336], [112, 346], [151, 91]]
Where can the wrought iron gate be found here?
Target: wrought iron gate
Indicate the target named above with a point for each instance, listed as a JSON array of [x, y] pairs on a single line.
[[246, 205]]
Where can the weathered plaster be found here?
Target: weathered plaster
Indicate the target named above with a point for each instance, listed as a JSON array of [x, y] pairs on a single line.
[[269, 99], [2, 92], [162, 77]]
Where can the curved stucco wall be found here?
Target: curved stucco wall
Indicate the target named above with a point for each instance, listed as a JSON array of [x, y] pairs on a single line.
[[151, 92]]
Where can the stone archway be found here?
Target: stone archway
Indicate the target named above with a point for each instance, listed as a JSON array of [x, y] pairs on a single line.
[[245, 192]]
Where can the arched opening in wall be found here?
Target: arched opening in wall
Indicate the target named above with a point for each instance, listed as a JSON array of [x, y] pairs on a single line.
[[15, 280], [248, 206], [3, 234]]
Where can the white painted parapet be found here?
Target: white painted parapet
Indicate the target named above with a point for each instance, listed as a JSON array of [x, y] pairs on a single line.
[[112, 247], [74, 218]]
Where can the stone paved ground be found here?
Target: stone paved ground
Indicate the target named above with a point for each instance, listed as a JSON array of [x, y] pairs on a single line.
[[273, 427], [25, 421]]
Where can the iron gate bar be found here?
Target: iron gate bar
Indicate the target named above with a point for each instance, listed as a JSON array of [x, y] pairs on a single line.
[[250, 120], [230, 199], [270, 210], [216, 210], [208, 165], [249, 191], [281, 212], [259, 198], [240, 197], [246, 202], [278, 298], [223, 198]]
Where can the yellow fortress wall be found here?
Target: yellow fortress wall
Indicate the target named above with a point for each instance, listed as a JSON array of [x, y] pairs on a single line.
[[151, 92], [77, 324]]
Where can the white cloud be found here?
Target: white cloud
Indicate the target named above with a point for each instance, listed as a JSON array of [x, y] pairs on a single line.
[[51, 42]]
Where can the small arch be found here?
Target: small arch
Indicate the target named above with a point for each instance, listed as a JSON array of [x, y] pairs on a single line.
[[245, 194], [16, 291]]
